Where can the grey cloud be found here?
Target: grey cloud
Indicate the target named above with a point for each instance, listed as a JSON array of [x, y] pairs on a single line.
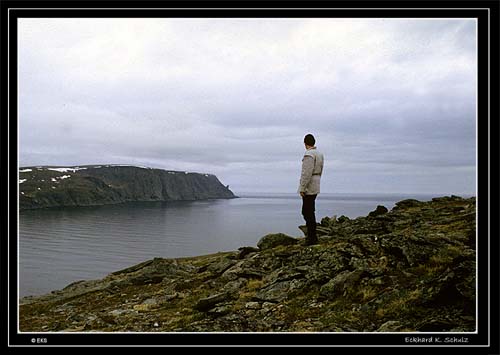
[[235, 98]]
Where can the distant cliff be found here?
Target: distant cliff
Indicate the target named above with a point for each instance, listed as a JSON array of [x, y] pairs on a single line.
[[41, 187]]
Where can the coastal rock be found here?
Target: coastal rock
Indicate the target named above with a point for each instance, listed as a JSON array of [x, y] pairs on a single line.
[[380, 210], [244, 251], [341, 284], [343, 219], [390, 326], [278, 291], [274, 240], [404, 204], [204, 304]]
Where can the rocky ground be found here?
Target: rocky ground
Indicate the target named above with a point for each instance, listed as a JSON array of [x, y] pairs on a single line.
[[409, 269]]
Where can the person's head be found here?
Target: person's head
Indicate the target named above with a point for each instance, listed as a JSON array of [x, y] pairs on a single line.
[[309, 140]]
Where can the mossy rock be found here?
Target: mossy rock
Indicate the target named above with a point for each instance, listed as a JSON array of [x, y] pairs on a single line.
[[273, 240]]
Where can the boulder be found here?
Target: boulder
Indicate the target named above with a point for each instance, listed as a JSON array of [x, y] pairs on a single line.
[[407, 203], [244, 251], [341, 283], [325, 222], [273, 240], [343, 219], [380, 210], [207, 303], [278, 291]]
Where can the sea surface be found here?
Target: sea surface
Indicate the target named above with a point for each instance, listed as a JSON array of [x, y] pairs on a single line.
[[58, 246]]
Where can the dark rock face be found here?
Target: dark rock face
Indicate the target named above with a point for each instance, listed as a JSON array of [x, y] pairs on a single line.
[[380, 210], [99, 185], [411, 269]]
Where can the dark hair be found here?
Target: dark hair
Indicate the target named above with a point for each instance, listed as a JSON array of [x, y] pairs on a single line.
[[309, 140]]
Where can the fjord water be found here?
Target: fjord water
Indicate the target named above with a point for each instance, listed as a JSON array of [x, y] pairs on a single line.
[[58, 246]]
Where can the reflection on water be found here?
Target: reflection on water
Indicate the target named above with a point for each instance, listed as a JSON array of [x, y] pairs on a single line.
[[62, 245]]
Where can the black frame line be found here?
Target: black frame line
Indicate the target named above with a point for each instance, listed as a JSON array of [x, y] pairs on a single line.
[[486, 14]]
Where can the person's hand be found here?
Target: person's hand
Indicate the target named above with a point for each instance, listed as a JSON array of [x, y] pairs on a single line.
[[302, 194]]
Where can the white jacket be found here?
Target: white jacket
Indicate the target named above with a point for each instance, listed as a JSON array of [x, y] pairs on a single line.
[[312, 168]]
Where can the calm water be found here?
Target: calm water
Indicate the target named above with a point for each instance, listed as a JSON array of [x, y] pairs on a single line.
[[63, 245]]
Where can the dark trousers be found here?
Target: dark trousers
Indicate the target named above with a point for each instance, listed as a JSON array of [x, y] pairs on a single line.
[[308, 209]]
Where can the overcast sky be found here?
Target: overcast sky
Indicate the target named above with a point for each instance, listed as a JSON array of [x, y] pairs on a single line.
[[392, 103]]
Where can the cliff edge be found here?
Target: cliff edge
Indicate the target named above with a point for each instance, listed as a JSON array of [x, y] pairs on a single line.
[[41, 187]]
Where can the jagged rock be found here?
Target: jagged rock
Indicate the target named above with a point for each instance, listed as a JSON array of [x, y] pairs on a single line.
[[274, 240], [234, 286], [244, 251], [252, 305], [283, 274], [343, 219], [220, 267], [321, 231], [145, 279], [117, 312], [390, 326], [221, 310], [185, 285], [447, 198], [143, 307], [133, 268], [380, 210], [406, 204], [285, 252], [325, 222], [341, 283], [242, 269], [278, 291], [466, 281], [207, 303], [371, 227]]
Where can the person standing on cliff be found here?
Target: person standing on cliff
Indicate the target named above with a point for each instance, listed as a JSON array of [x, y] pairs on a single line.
[[309, 186]]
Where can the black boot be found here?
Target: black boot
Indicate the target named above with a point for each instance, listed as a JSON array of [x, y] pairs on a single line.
[[311, 237]]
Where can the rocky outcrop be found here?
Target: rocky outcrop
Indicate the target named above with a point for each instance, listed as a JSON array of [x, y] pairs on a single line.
[[41, 187], [274, 240], [411, 269]]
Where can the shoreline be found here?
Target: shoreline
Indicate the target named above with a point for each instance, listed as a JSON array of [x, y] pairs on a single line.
[[146, 203], [396, 267]]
